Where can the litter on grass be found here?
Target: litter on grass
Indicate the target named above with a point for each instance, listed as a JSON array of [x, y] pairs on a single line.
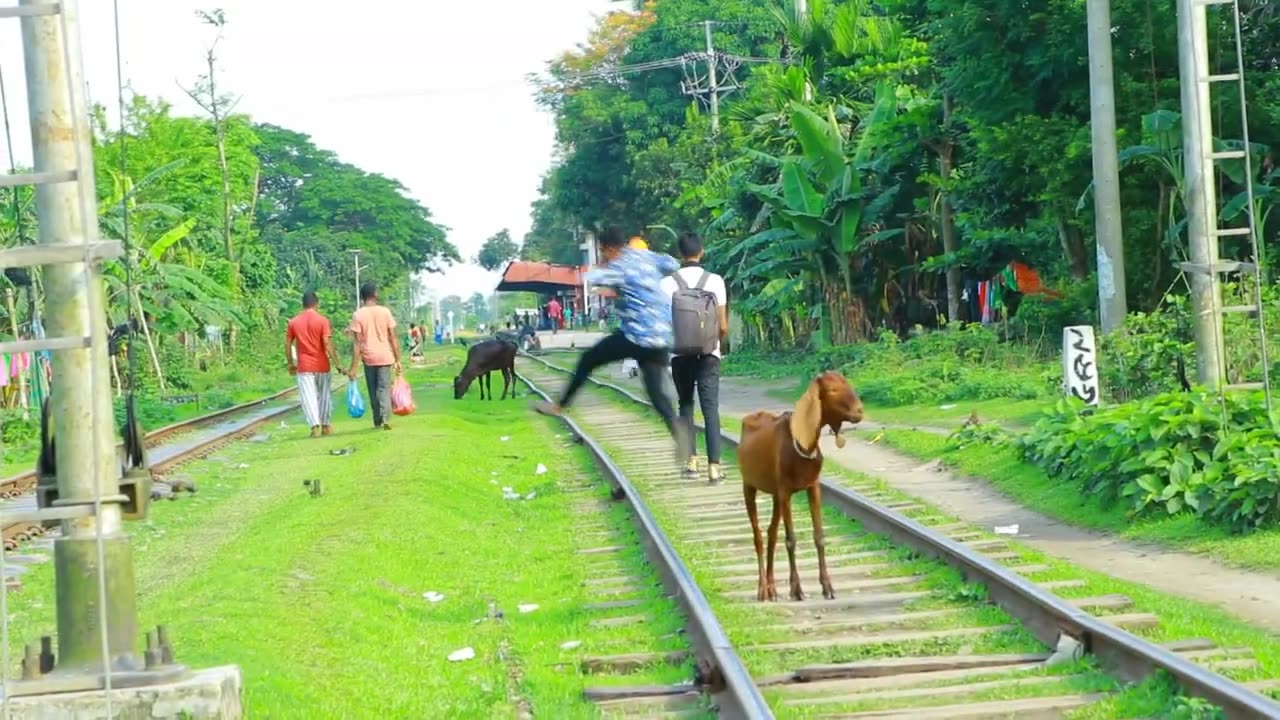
[[465, 653], [526, 608], [571, 645], [541, 469], [432, 596]]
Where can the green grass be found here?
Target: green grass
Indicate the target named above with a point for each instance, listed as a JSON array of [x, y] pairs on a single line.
[[320, 600], [1031, 487]]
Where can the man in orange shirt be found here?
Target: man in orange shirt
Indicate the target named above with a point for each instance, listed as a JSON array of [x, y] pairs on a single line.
[[309, 338], [373, 328]]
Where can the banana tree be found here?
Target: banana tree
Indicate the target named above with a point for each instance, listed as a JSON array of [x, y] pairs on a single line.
[[818, 206], [167, 295]]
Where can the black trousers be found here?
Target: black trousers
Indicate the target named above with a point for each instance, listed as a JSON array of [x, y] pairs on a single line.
[[378, 379], [614, 348], [700, 372]]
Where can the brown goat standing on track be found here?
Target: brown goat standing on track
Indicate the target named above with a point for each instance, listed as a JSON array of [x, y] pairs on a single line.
[[779, 455], [483, 358]]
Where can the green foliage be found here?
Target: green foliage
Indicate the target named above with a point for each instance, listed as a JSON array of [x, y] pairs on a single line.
[[1168, 454], [1141, 359], [497, 251], [313, 208], [984, 103], [942, 367], [978, 434], [19, 436], [151, 410]]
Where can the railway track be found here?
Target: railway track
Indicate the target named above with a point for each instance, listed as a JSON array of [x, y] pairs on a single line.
[[932, 619], [168, 447]]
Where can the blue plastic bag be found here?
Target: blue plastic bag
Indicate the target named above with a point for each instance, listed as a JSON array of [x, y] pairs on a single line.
[[355, 401]]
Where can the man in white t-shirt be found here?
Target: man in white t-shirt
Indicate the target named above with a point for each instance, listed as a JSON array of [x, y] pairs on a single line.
[[700, 372]]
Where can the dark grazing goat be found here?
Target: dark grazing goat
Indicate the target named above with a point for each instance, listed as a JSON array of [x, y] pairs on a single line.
[[483, 358]]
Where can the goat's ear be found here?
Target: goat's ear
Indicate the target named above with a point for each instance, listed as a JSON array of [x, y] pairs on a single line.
[[808, 414]]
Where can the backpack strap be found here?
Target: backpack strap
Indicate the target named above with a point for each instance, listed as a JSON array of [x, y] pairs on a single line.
[[680, 283], [702, 281]]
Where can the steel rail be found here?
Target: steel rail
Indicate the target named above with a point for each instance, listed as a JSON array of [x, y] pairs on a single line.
[[27, 478], [737, 694], [1044, 614]]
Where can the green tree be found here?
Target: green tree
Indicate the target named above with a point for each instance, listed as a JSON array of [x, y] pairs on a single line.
[[313, 208], [497, 251]]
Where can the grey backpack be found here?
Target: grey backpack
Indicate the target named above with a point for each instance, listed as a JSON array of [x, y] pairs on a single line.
[[695, 317]]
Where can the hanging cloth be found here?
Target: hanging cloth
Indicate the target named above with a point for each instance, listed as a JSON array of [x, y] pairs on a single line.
[[1009, 277], [4, 370], [20, 362]]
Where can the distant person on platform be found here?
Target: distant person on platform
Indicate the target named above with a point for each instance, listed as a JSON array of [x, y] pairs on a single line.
[[374, 330], [554, 313], [309, 339]]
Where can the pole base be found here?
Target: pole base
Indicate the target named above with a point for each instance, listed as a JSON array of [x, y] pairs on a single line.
[[79, 634], [168, 693]]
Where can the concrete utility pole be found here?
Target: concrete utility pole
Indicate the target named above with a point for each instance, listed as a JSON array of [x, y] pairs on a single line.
[[1202, 205], [802, 12], [355, 256], [711, 78], [1106, 173], [81, 410]]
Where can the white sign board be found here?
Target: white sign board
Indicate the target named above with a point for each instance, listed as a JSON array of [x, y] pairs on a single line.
[[1080, 364]]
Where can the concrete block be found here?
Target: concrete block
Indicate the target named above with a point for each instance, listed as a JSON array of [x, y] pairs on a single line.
[[213, 694]]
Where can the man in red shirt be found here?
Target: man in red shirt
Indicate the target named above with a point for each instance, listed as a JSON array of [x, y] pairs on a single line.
[[554, 312], [308, 347]]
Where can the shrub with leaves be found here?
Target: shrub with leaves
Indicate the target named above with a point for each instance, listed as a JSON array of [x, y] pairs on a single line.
[[1169, 454], [978, 434]]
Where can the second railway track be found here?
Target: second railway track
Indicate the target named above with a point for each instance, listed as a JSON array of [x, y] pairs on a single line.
[[168, 447], [932, 619]]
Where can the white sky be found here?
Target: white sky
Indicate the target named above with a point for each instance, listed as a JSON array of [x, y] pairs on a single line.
[[430, 92]]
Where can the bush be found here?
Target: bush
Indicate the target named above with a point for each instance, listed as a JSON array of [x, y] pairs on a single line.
[[1142, 358], [1040, 319], [152, 412], [1173, 453], [950, 365]]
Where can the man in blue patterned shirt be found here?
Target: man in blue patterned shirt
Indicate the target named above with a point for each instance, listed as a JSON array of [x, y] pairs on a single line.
[[645, 332]]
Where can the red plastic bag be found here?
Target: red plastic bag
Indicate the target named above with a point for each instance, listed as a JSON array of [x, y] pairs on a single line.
[[401, 397]]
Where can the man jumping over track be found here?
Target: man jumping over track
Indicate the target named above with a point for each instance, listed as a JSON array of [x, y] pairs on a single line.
[[645, 333]]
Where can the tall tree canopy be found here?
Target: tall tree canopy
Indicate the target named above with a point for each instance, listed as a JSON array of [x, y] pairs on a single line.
[[314, 208], [497, 250]]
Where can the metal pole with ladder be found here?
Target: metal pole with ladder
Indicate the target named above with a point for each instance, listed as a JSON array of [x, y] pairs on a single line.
[[1204, 231], [97, 618]]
